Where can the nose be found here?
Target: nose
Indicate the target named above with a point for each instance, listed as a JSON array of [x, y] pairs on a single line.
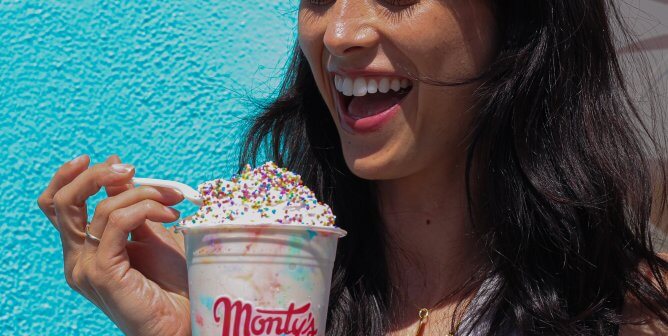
[[350, 28]]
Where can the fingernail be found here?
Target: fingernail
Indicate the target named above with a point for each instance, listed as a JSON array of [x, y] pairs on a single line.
[[174, 212], [77, 159], [121, 168]]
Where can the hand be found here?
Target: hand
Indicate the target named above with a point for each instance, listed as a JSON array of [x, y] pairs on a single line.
[[141, 285]]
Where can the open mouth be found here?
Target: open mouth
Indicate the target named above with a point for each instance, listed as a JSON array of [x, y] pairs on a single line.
[[367, 102]]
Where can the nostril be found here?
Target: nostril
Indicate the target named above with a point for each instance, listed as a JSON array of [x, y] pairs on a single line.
[[352, 49]]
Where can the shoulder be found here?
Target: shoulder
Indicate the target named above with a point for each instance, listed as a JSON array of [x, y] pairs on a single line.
[[635, 311]]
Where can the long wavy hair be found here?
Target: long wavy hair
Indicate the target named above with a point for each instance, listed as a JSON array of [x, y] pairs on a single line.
[[565, 193]]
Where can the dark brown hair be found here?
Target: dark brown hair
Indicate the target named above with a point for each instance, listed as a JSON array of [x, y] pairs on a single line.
[[566, 186]]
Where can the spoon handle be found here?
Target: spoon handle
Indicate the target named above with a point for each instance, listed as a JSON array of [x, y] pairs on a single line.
[[188, 192]]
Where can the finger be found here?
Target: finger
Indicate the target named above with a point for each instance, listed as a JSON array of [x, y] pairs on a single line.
[[70, 205], [148, 260], [64, 175], [119, 225], [154, 230], [115, 190], [165, 196]]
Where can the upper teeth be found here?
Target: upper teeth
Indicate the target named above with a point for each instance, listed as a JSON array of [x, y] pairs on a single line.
[[360, 86]]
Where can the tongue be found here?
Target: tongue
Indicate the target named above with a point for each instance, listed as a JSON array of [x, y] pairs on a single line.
[[372, 104]]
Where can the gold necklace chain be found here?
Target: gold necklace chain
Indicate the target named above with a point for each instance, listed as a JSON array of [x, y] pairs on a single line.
[[423, 318]]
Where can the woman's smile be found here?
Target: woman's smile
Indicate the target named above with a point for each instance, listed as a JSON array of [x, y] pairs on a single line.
[[370, 60], [366, 100]]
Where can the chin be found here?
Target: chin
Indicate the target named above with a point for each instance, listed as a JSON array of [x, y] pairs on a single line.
[[378, 156], [373, 167], [369, 171]]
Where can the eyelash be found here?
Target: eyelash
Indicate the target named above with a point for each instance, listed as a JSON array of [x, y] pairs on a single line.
[[397, 3], [319, 2], [400, 2]]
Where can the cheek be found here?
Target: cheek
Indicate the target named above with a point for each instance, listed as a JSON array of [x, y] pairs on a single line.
[[310, 39], [445, 115], [450, 45], [308, 45]]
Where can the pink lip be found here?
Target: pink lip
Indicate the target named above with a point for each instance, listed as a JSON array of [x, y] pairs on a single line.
[[363, 125]]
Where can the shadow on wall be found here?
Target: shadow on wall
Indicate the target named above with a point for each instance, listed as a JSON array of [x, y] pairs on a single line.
[[649, 21], [652, 43]]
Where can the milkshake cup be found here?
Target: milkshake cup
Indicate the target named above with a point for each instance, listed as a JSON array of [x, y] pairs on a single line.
[[260, 279], [260, 254]]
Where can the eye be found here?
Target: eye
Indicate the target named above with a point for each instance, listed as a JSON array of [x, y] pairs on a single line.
[[400, 2], [320, 2], [396, 10]]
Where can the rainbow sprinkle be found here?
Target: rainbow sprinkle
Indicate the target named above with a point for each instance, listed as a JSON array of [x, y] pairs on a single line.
[[268, 194]]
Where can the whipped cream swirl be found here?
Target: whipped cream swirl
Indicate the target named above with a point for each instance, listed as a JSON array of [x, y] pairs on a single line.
[[265, 195]]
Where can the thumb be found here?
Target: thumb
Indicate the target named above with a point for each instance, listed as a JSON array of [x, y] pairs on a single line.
[[115, 190]]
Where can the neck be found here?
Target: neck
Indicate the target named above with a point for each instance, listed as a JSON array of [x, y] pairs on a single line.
[[430, 249]]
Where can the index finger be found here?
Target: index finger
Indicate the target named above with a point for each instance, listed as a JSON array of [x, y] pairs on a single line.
[[70, 202], [64, 175]]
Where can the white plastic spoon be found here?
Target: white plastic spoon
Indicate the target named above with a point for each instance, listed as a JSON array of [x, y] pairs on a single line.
[[188, 192]]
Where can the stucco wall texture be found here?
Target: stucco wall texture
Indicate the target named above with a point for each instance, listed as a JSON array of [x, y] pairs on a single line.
[[161, 83]]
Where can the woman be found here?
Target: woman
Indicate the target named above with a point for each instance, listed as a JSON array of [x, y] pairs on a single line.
[[483, 156]]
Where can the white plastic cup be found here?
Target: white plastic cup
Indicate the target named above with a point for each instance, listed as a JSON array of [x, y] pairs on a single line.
[[259, 279]]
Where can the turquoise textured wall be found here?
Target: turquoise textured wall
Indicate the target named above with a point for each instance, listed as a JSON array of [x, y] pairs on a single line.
[[161, 83]]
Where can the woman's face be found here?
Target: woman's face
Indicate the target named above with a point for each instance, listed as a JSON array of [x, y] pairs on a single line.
[[363, 54]]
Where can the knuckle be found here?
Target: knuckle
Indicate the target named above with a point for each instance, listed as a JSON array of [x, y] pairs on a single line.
[[43, 201], [100, 166], [98, 172], [59, 200], [117, 218], [74, 278], [148, 191], [78, 276], [70, 282], [95, 275], [102, 169], [143, 189], [103, 208], [148, 205], [100, 265], [95, 172]]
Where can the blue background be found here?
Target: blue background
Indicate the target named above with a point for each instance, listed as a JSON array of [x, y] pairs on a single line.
[[162, 84]]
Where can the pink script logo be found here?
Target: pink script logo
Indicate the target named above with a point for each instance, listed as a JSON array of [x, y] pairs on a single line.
[[242, 319]]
